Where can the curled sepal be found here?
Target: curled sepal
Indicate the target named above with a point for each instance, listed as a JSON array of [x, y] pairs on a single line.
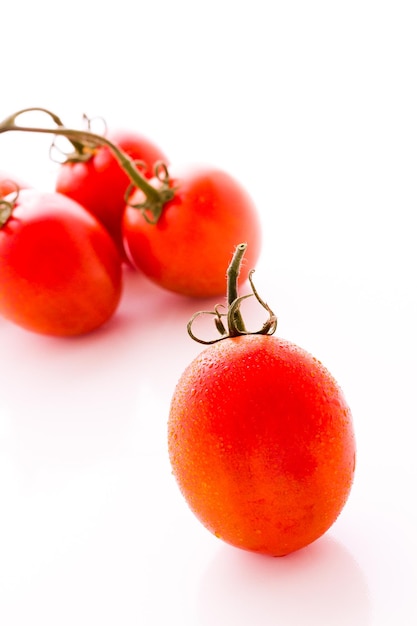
[[270, 325], [83, 150], [150, 208], [6, 209], [235, 325], [6, 206], [217, 321]]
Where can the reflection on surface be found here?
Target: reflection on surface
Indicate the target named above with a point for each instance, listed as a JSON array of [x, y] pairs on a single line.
[[320, 585]]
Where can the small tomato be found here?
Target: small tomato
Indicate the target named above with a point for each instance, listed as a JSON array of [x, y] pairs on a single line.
[[187, 249], [60, 271]]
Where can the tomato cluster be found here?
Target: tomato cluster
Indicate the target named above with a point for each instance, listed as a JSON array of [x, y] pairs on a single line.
[[116, 201], [260, 436]]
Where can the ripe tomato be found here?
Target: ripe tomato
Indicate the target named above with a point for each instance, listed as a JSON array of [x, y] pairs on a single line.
[[188, 248], [100, 184], [261, 443], [260, 436], [60, 271]]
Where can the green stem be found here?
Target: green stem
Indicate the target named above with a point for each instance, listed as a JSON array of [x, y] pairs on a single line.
[[155, 198], [236, 324]]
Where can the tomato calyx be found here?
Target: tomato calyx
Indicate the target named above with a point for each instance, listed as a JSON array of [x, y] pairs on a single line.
[[7, 206], [6, 209], [235, 325], [86, 142], [82, 151], [152, 208]]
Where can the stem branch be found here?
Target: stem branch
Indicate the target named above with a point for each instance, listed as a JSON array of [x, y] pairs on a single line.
[[155, 198]]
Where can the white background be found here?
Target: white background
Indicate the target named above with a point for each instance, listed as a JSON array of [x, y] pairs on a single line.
[[312, 106]]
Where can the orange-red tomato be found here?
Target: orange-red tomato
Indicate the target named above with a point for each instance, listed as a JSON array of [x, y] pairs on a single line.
[[60, 271], [189, 247], [261, 443]]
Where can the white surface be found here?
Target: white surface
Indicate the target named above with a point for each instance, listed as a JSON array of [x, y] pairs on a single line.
[[312, 106]]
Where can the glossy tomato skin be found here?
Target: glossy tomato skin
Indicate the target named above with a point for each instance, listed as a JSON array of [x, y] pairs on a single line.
[[100, 184], [261, 443], [60, 271], [190, 246]]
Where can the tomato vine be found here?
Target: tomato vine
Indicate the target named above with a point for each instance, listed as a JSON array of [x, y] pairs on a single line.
[[84, 141]]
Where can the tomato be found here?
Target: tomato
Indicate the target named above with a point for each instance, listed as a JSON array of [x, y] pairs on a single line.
[[10, 183], [261, 444], [260, 436], [188, 248], [60, 271], [100, 183]]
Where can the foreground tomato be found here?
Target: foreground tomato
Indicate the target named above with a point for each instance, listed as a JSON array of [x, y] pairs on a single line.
[[100, 183], [261, 442], [189, 246], [60, 271]]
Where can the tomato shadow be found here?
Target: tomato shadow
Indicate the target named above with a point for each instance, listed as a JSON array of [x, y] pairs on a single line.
[[84, 396], [321, 585], [147, 308]]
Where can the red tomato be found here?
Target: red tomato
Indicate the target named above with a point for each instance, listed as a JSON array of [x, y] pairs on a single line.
[[100, 184], [10, 183], [188, 248], [261, 443], [60, 271]]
